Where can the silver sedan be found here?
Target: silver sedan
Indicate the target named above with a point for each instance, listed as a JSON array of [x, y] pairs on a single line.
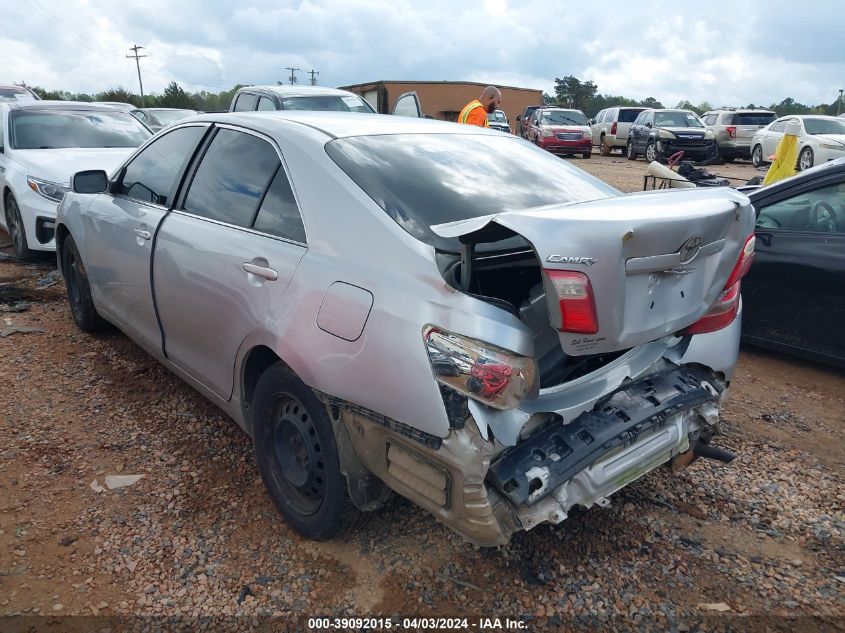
[[391, 304]]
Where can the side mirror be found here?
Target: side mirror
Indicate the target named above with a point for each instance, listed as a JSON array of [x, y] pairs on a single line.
[[91, 181], [592, 121], [648, 124], [518, 117]]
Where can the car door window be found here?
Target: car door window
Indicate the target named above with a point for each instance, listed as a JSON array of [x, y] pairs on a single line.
[[266, 104], [232, 177], [821, 210], [244, 102], [279, 214], [152, 174], [711, 119], [407, 104]]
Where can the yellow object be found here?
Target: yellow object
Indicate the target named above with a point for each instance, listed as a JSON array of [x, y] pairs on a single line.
[[786, 158]]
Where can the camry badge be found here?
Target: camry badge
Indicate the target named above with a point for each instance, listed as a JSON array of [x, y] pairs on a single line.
[[690, 249], [567, 259]]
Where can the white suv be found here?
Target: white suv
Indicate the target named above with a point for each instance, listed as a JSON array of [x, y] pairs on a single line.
[[610, 128]]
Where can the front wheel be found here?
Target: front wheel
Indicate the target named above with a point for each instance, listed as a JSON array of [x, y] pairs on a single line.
[[587, 154], [15, 227], [629, 151], [78, 289], [650, 152], [805, 159], [757, 156], [297, 456]]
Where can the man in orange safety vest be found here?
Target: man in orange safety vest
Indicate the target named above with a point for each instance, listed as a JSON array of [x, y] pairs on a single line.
[[476, 111]]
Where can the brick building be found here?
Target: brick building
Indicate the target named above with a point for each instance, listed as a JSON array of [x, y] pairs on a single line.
[[444, 99]]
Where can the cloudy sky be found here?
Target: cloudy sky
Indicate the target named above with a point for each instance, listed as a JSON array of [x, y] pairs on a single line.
[[724, 52]]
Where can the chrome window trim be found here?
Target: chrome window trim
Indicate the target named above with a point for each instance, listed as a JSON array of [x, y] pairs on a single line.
[[245, 229]]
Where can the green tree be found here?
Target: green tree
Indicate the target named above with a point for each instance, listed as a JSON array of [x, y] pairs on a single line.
[[574, 93], [175, 97], [651, 102], [121, 95], [548, 99]]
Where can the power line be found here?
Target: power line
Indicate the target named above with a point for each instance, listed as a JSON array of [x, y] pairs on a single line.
[[137, 58], [313, 72], [292, 78]]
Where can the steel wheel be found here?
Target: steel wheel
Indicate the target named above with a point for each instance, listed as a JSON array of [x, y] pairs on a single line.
[[805, 160], [298, 455]]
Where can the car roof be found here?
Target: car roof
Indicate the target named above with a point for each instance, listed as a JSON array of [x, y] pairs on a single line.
[[167, 109], [298, 91], [45, 104], [340, 124]]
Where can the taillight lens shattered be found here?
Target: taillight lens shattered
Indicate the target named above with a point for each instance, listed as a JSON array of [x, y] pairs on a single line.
[[722, 313], [484, 372], [575, 301]]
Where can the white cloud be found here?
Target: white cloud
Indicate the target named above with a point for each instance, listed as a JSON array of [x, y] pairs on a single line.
[[724, 53]]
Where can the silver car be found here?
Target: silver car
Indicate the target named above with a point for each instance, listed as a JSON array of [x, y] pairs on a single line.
[[391, 304]]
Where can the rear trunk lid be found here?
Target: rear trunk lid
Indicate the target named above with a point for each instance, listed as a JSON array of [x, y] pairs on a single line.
[[656, 261]]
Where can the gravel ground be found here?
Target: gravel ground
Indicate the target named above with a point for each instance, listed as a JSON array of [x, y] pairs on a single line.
[[197, 535]]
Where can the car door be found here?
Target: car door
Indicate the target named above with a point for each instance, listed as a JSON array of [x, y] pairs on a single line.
[[121, 226], [4, 161], [408, 104], [794, 294], [598, 124], [226, 254]]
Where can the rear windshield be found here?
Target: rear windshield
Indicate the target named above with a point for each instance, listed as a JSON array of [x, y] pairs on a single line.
[[33, 129], [563, 117], [750, 118], [627, 115], [824, 126], [331, 103], [425, 179]]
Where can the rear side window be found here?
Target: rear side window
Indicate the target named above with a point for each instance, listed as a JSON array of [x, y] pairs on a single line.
[[231, 178], [628, 116], [279, 214], [780, 126], [244, 102], [151, 175], [266, 104]]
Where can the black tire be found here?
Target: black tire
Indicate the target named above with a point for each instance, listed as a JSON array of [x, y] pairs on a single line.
[[604, 148], [806, 159], [728, 158], [757, 155], [15, 228], [629, 151], [587, 154], [297, 456], [78, 290]]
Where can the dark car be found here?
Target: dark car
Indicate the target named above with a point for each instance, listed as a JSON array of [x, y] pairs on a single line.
[[660, 133], [523, 119], [794, 295]]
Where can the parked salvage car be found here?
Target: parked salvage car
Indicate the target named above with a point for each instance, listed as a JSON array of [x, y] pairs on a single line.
[[498, 120], [42, 143], [522, 120], [158, 118], [561, 131], [734, 129], [658, 134], [610, 128], [370, 303], [822, 139], [298, 98], [794, 294], [17, 93]]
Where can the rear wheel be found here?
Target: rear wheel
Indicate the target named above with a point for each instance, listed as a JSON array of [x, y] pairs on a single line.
[[78, 290], [757, 156], [805, 159], [604, 146], [297, 456], [629, 151], [14, 225], [587, 154]]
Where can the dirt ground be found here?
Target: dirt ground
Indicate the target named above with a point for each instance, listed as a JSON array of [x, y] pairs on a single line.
[[756, 544]]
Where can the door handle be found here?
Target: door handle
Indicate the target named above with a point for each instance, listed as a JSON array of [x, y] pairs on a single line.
[[260, 271], [144, 235]]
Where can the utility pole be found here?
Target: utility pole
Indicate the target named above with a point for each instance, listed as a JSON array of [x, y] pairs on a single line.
[[313, 74], [137, 57], [292, 78], [839, 105]]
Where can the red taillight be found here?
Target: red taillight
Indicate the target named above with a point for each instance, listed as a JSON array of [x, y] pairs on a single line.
[[613, 128], [722, 313], [576, 302], [731, 130]]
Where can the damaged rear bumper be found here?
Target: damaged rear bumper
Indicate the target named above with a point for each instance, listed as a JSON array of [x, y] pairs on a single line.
[[486, 497]]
